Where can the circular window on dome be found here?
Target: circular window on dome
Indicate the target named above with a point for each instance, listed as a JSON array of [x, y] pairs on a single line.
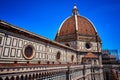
[[88, 45], [28, 52]]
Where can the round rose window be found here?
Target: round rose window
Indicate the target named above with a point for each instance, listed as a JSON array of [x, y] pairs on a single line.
[[28, 52], [88, 45]]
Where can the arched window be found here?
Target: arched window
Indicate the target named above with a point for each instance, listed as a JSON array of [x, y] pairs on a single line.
[[95, 62], [17, 78], [48, 62], [53, 62], [26, 77], [22, 77], [58, 55], [6, 78], [72, 57], [12, 78]]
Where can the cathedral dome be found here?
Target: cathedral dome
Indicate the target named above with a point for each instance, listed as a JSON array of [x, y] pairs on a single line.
[[74, 26], [78, 32]]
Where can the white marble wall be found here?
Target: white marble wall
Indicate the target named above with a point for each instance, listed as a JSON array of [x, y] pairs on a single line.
[[11, 49]]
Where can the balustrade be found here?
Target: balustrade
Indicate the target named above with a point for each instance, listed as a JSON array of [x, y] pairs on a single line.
[[49, 72]]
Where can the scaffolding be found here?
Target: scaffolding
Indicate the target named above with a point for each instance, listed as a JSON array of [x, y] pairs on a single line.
[[113, 52]]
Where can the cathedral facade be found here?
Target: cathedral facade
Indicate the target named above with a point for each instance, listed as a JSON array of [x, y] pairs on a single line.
[[74, 55]]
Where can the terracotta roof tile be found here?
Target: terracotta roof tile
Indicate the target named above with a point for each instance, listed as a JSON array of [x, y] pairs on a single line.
[[68, 27], [85, 27], [90, 55]]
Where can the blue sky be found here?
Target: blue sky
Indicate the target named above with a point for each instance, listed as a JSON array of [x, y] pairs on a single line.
[[44, 17]]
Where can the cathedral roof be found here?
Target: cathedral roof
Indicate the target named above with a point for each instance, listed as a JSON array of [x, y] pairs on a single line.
[[90, 55], [76, 24]]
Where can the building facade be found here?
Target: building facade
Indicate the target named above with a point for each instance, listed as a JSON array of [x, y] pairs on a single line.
[[74, 55]]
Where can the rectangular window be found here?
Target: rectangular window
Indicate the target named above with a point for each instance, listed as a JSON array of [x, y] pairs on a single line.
[[6, 52], [0, 51], [43, 48], [8, 41], [37, 47], [40, 48], [14, 42], [13, 51], [37, 55], [20, 43], [43, 55], [40, 55], [19, 53]]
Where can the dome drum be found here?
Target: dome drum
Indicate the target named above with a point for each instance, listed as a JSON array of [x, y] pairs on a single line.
[[65, 38]]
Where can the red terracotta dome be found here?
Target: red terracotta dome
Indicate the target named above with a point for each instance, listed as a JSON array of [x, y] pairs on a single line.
[[76, 24], [74, 27]]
